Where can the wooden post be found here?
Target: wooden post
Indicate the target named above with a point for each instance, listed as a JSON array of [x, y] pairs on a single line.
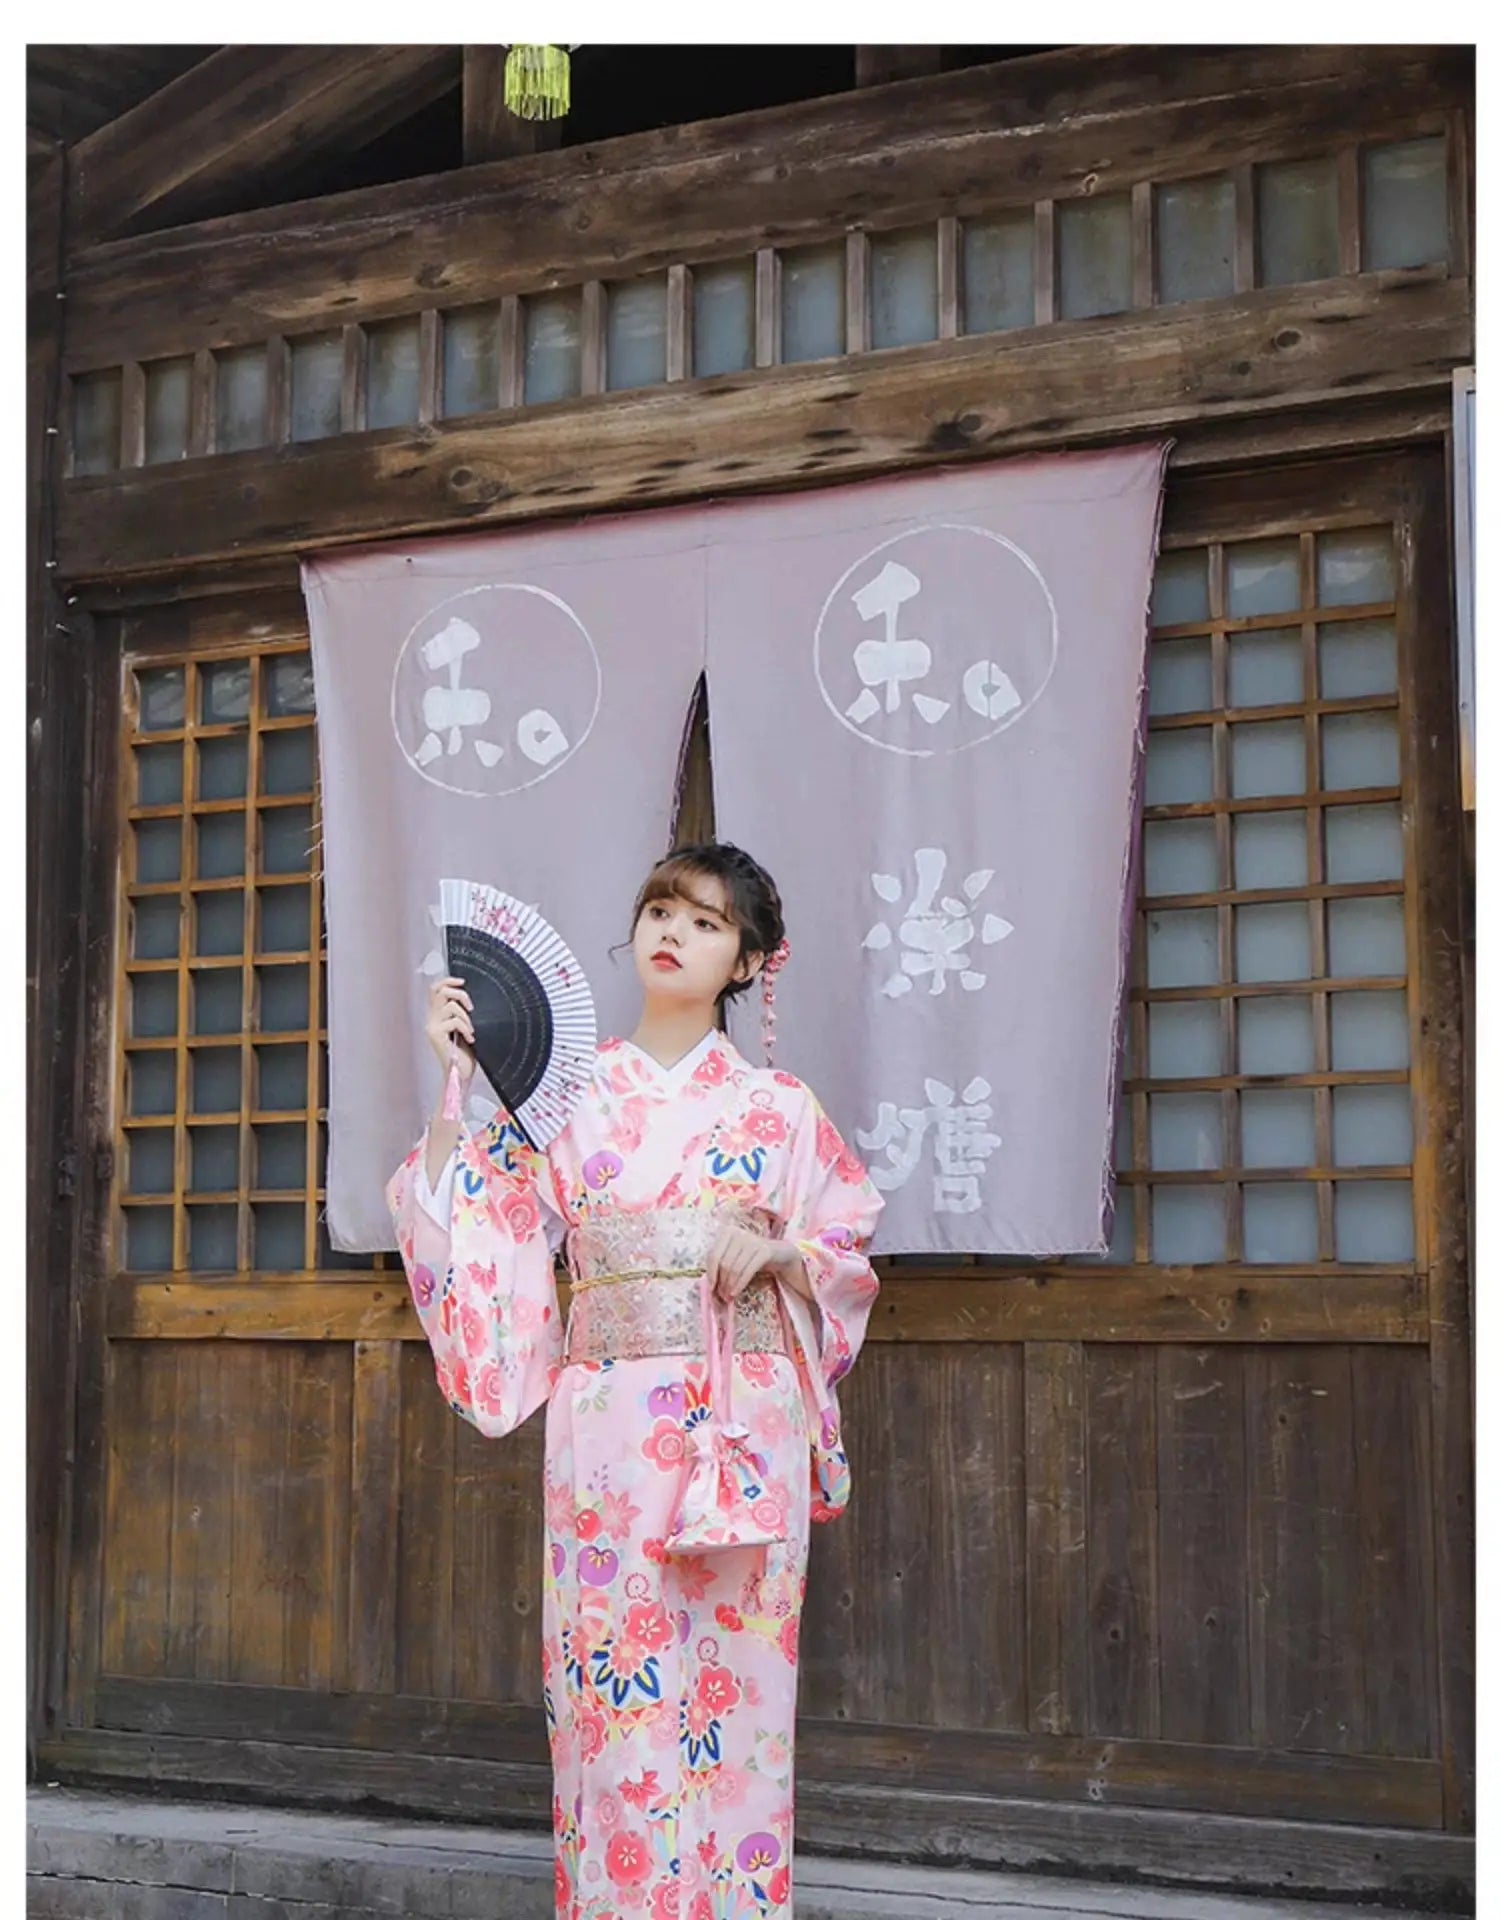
[[491, 130]]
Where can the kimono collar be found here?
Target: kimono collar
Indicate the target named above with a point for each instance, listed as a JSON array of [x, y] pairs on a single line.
[[683, 1069]]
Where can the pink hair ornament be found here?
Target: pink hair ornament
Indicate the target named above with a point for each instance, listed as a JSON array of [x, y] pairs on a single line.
[[775, 961]]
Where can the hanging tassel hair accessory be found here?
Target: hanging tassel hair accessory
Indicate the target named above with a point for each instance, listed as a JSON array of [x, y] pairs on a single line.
[[774, 963]]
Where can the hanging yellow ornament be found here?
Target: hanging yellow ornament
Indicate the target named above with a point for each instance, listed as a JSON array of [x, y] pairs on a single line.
[[536, 82]]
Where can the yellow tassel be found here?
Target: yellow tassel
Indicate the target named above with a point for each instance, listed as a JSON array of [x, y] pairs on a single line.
[[536, 82]]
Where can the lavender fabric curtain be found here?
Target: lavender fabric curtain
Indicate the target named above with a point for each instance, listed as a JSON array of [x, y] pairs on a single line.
[[926, 711], [507, 709], [925, 706]]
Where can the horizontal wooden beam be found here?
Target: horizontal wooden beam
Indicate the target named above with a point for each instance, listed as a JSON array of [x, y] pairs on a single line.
[[1173, 1304], [1075, 383], [1056, 125], [225, 130]]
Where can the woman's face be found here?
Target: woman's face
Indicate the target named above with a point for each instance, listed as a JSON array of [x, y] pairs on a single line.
[[698, 934]]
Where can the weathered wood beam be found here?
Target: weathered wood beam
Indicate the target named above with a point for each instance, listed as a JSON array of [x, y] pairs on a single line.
[[1084, 382], [1049, 126], [491, 130], [235, 121], [1175, 1306], [875, 66]]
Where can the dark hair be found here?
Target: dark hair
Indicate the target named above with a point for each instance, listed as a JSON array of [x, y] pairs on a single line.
[[752, 902]]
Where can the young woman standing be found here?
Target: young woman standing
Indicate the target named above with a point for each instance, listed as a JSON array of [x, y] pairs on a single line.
[[670, 1675]]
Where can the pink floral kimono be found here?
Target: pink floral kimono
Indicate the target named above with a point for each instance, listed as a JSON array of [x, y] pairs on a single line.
[[670, 1678]]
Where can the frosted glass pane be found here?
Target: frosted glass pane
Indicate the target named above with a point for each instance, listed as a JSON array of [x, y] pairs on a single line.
[[158, 775], [284, 1004], [214, 1078], [1369, 1032], [221, 846], [158, 852], [153, 1006], [1186, 1131], [157, 929], [286, 683], [169, 391], [285, 914], [1275, 1034], [286, 761], [1265, 669], [1179, 592], [1183, 1038], [1281, 1221], [1195, 239], [150, 1162], [999, 273], [1355, 566], [553, 325], [218, 995], [903, 288], [1366, 937], [281, 1078], [1179, 767], [160, 699], [1276, 1128], [1182, 949], [471, 361], [214, 1163], [1093, 256], [812, 303], [1122, 1233], [148, 1239], [1355, 658], [1405, 204], [1270, 850], [723, 318], [1297, 221], [1362, 843], [1267, 757], [277, 1238], [1372, 1220], [1272, 942], [151, 1083], [1262, 577], [1371, 1126], [222, 768], [240, 400], [393, 375], [1361, 750], [224, 693], [286, 840], [219, 924], [635, 350], [1181, 857], [1181, 676], [281, 1159], [96, 423], [1187, 1224], [317, 386], [211, 1239]]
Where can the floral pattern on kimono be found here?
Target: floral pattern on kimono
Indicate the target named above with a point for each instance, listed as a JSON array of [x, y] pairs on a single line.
[[669, 1679]]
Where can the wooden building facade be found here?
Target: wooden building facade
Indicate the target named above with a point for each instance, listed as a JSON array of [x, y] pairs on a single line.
[[1160, 1565]]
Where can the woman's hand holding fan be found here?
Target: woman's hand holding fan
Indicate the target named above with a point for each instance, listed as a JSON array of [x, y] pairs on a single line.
[[450, 1027]]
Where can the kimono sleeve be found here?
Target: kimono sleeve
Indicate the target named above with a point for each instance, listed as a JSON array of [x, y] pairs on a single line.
[[830, 1207], [483, 1284]]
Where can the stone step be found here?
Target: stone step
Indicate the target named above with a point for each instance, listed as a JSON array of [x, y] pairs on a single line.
[[104, 1856]]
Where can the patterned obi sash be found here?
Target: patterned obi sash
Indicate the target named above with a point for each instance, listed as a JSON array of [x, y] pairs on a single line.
[[638, 1284]]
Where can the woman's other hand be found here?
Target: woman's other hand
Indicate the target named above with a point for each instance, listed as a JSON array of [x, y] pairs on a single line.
[[738, 1255]]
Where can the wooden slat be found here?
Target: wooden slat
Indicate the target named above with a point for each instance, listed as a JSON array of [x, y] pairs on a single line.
[[592, 326], [429, 367], [1057, 1586], [1164, 1303], [429, 1440], [278, 392], [901, 1822], [948, 277], [258, 1381], [767, 307], [203, 405], [1139, 373], [512, 352], [857, 293], [1244, 227], [1120, 1521], [246, 113], [138, 1509], [132, 414], [679, 323], [352, 400], [498, 1542], [202, 1566], [1351, 240], [375, 1508], [985, 139], [320, 1478], [1044, 263], [1143, 244]]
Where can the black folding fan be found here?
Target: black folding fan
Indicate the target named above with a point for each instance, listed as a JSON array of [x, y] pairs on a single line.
[[535, 1033]]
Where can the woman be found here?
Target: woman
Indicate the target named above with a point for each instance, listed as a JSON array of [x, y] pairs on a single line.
[[687, 1179]]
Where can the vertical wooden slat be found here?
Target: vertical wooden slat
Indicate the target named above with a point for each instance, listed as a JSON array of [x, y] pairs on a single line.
[[593, 336], [132, 414], [424, 1661], [315, 1022], [1351, 241], [198, 1612], [1307, 568], [278, 391], [249, 1001], [857, 292], [203, 404], [1143, 244], [1244, 228], [948, 278], [256, 1381], [375, 1516], [512, 352], [1229, 1100], [1045, 273], [315, 1531], [1120, 1509], [429, 366], [1140, 1102], [353, 397], [679, 322], [1057, 1596], [767, 307], [138, 1508], [187, 932]]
